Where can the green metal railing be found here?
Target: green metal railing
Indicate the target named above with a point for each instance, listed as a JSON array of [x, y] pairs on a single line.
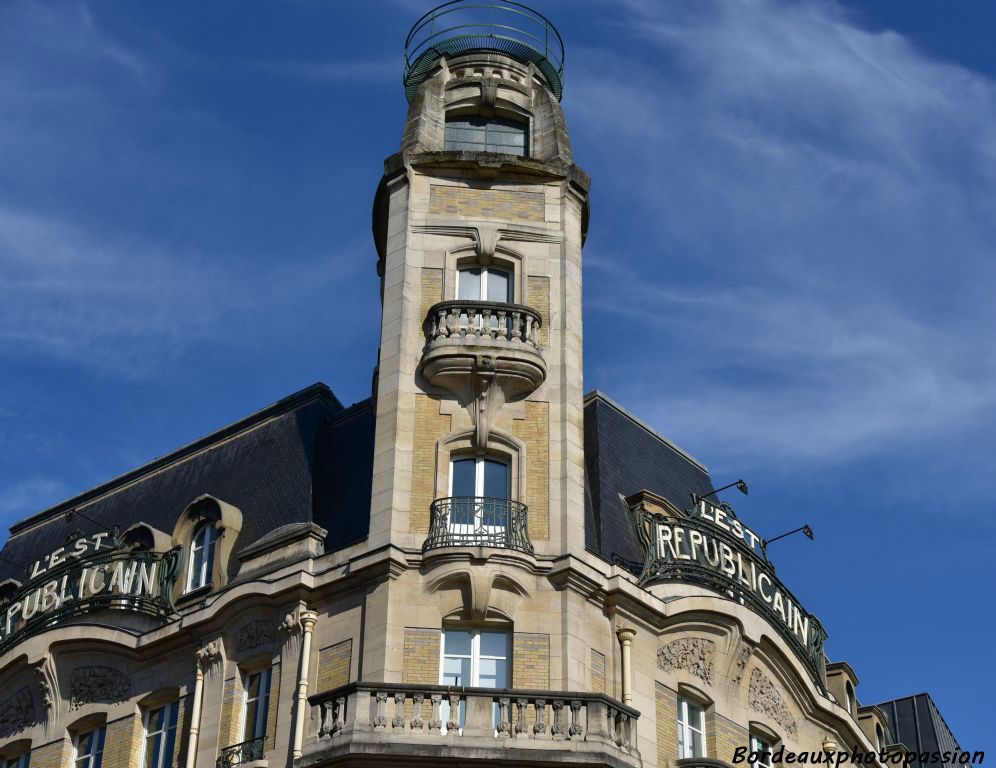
[[505, 27]]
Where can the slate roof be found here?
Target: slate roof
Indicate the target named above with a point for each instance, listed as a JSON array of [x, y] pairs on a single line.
[[304, 458], [916, 722], [622, 456]]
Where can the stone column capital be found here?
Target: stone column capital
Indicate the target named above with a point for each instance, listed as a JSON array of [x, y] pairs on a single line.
[[626, 635]]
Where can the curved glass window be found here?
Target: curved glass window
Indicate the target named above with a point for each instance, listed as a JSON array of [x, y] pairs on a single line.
[[492, 134], [201, 566]]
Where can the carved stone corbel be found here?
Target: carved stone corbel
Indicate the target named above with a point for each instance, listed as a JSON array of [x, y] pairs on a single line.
[[489, 95], [48, 684]]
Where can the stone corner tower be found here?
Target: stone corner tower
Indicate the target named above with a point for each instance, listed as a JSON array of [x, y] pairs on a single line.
[[479, 222]]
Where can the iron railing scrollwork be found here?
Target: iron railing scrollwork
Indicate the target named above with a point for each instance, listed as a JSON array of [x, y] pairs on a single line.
[[246, 752], [478, 521]]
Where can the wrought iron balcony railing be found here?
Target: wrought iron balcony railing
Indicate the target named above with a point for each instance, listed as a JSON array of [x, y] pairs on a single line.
[[483, 322], [502, 26], [246, 752], [478, 521]]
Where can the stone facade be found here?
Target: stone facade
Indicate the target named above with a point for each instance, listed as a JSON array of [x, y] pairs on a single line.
[[595, 663]]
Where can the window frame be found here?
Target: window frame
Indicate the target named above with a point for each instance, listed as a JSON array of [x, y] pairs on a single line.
[[685, 728], [22, 760], [166, 735], [759, 743], [475, 657], [262, 713], [94, 759], [489, 128], [485, 270], [201, 559]]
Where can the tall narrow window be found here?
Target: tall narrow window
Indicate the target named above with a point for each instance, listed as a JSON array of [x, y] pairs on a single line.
[[479, 134], [201, 567], [480, 489], [21, 761], [691, 729], [849, 697], [88, 748], [257, 685], [160, 736], [475, 658], [760, 748], [476, 284]]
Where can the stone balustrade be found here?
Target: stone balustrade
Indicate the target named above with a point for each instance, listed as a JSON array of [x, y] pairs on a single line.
[[447, 721], [483, 322]]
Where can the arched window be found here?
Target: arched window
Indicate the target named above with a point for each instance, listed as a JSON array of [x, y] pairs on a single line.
[[478, 658], [492, 134], [879, 737], [201, 567]]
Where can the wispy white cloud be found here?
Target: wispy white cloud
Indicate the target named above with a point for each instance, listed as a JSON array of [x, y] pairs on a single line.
[[816, 201]]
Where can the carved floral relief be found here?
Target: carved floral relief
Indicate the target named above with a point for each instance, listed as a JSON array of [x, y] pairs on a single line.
[[765, 697], [693, 654]]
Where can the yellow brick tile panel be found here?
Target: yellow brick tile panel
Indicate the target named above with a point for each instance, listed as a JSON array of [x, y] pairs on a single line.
[[273, 707], [429, 427], [420, 663], [666, 713], [531, 660], [54, 755], [231, 713], [597, 672], [534, 431], [539, 299], [501, 204], [432, 290], [333, 666], [123, 743]]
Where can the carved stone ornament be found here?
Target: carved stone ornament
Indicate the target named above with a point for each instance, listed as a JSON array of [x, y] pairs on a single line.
[[693, 654], [207, 654], [740, 659], [17, 712], [45, 678], [254, 634], [764, 697], [98, 685]]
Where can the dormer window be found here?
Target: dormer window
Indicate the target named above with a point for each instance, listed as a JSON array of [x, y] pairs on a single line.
[[201, 567], [493, 134]]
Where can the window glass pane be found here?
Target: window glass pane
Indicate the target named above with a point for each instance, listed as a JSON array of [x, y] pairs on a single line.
[[469, 285], [498, 286], [696, 744], [464, 474], [493, 673], [457, 642], [495, 479], [494, 644], [456, 671]]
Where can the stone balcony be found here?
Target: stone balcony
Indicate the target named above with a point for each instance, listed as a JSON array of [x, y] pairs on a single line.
[[483, 338], [374, 722]]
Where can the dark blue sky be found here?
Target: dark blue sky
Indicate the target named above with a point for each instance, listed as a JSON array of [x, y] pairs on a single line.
[[789, 269]]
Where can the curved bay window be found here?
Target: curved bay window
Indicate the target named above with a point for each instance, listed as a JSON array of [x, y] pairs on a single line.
[[492, 134], [201, 566]]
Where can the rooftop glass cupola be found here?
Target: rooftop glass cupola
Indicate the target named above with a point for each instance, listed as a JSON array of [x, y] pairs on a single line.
[[465, 26]]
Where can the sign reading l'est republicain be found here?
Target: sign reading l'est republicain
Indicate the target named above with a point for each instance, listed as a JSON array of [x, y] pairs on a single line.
[[712, 547], [88, 573]]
